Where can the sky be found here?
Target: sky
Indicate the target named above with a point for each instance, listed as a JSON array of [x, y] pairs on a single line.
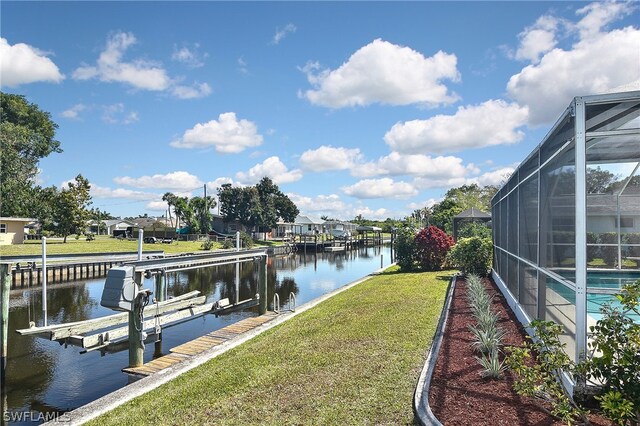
[[351, 108]]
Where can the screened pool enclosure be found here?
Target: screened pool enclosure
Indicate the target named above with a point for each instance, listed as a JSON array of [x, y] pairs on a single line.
[[567, 222]]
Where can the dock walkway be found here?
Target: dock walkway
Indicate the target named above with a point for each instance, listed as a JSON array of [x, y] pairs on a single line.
[[201, 344]]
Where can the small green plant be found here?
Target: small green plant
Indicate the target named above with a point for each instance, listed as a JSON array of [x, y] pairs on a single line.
[[486, 319], [207, 244], [486, 340], [493, 367], [541, 379]]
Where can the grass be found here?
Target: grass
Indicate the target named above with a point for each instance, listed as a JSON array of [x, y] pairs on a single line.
[[354, 358], [105, 244]]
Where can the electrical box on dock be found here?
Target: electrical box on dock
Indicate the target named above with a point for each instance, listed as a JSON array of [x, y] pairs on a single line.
[[120, 289]]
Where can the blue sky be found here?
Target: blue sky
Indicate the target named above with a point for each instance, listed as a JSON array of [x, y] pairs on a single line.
[[372, 108]]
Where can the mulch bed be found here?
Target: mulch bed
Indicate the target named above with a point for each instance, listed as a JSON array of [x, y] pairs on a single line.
[[459, 395]]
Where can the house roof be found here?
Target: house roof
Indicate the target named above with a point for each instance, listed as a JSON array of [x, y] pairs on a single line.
[[473, 213], [111, 222], [368, 228], [18, 219], [308, 220]]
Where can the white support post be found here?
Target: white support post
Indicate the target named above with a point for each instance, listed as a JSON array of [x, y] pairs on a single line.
[[581, 229], [44, 281], [140, 238], [237, 240]]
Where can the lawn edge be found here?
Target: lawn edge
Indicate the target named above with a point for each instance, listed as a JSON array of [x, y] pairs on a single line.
[[421, 407]]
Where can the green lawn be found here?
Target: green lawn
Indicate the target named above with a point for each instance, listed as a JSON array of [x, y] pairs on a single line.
[[353, 359], [101, 244]]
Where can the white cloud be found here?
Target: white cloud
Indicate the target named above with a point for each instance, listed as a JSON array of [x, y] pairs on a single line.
[[159, 205], [273, 168], [104, 192], [423, 183], [385, 73], [380, 188], [243, 66], [217, 183], [329, 158], [329, 204], [227, 134], [396, 164], [179, 180], [198, 90], [596, 63], [190, 56], [74, 112], [374, 214], [117, 114], [428, 203], [24, 64], [494, 122], [537, 39], [282, 33], [598, 15], [495, 177], [141, 74]]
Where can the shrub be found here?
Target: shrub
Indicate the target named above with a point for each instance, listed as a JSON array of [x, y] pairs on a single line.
[[609, 253], [245, 242], [541, 379], [472, 255], [432, 246], [207, 245], [405, 248], [616, 341]]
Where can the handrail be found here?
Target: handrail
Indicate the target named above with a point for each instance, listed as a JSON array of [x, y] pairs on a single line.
[[276, 303]]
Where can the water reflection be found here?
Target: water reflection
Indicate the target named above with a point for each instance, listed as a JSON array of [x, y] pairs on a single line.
[[46, 376]]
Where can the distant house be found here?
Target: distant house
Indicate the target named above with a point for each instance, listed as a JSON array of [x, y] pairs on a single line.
[[116, 227], [339, 228], [12, 229], [221, 227], [304, 224]]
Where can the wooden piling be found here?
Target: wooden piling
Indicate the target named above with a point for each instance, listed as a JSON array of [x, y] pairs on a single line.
[[160, 290], [262, 284]]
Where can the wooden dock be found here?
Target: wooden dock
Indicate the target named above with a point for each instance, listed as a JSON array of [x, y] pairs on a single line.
[[201, 344]]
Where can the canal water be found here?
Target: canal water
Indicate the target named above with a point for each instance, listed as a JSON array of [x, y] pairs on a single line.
[[47, 377]]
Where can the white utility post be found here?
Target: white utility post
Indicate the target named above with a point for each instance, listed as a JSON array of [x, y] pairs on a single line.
[[44, 281], [140, 236], [237, 240]]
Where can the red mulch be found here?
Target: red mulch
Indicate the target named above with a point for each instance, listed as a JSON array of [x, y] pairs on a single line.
[[459, 395]]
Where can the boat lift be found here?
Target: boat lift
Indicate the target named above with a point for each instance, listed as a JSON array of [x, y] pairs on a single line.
[[124, 292]]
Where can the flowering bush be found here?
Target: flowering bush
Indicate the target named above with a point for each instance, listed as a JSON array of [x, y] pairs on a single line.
[[432, 246]]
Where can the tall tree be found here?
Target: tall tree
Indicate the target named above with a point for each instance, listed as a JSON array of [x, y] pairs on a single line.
[[256, 206], [27, 134], [202, 217], [70, 212]]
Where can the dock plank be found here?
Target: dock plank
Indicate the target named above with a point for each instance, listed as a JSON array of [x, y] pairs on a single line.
[[200, 344]]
